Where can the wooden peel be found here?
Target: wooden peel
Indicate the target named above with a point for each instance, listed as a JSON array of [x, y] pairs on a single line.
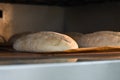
[[95, 49], [97, 53]]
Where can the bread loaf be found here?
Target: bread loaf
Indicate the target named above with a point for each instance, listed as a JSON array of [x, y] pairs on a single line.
[[44, 41], [100, 39]]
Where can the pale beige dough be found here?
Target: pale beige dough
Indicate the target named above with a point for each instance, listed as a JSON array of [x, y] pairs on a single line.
[[100, 39], [44, 41]]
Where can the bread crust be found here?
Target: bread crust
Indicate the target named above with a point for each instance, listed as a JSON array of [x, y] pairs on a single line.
[[44, 41], [100, 39]]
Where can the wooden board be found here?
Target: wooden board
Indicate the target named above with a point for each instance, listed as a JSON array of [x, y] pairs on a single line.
[[99, 53]]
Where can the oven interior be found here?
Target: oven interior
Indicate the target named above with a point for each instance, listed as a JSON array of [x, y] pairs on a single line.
[[82, 16]]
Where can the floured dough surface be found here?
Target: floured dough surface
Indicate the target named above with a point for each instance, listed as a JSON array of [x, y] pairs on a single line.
[[45, 41], [107, 32], [76, 36], [100, 39], [14, 37]]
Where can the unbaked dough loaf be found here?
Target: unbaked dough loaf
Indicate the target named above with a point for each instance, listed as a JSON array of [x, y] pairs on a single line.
[[75, 35], [14, 37], [45, 41], [100, 39]]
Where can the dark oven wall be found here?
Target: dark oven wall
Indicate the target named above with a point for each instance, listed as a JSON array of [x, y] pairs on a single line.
[[57, 2], [93, 17], [17, 18], [63, 16]]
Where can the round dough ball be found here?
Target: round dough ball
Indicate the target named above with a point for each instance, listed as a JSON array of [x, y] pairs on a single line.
[[14, 37], [100, 39], [45, 41], [76, 36]]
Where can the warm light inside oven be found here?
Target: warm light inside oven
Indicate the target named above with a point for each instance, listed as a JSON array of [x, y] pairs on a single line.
[[5, 20]]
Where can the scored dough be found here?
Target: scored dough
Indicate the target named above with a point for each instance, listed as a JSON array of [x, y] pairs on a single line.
[[100, 39], [44, 41]]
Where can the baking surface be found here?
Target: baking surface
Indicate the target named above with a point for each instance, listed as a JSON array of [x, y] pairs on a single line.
[[100, 53]]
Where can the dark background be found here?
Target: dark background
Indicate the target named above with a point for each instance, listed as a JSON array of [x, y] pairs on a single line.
[[58, 2]]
